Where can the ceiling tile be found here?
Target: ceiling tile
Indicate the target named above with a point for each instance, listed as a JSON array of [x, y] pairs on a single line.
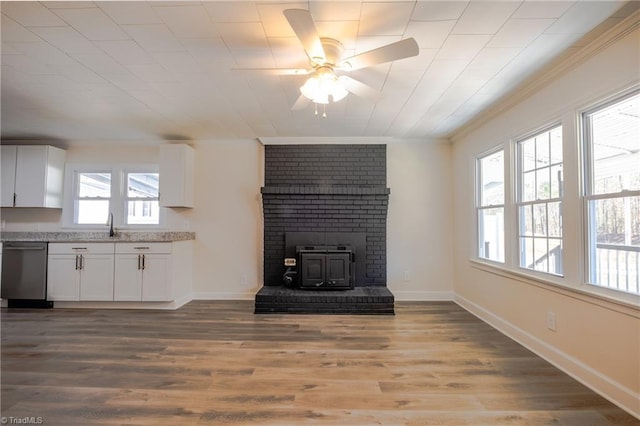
[[520, 32], [484, 17], [154, 37], [93, 23], [542, 9], [438, 10], [462, 47], [66, 39], [232, 11], [210, 50], [429, 35], [187, 21], [125, 52], [134, 12], [100, 63], [153, 73], [384, 18], [274, 22], [288, 52], [335, 10], [253, 58], [582, 17], [69, 4], [178, 62], [419, 62], [364, 44], [10, 30], [243, 35], [31, 14]]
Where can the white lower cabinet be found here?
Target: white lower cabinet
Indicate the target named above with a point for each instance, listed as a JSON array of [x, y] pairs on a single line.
[[80, 271], [143, 272]]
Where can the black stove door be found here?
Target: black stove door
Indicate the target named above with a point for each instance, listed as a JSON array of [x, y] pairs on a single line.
[[325, 271]]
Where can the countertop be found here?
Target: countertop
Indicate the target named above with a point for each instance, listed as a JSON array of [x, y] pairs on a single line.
[[97, 237]]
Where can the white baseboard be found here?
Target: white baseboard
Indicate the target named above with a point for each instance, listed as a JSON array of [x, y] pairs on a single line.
[[224, 295], [615, 392], [422, 296]]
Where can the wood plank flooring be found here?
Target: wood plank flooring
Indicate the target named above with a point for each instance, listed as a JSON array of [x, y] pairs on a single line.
[[218, 363]]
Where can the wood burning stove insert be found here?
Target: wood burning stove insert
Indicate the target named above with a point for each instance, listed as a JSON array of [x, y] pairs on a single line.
[[325, 267]]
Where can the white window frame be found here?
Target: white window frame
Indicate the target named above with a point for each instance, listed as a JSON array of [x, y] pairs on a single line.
[[118, 200], [588, 195], [479, 207], [519, 203], [125, 196]]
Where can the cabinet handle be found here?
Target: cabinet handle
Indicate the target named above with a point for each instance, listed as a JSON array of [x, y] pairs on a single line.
[[77, 262], [14, 199], [141, 248], [139, 262], [78, 248], [143, 261]]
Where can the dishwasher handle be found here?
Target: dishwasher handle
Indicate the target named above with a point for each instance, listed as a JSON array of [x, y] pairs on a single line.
[[16, 248]]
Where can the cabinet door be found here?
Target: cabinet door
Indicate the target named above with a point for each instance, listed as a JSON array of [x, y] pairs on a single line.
[[31, 169], [63, 277], [156, 278], [7, 174], [96, 282], [128, 278]]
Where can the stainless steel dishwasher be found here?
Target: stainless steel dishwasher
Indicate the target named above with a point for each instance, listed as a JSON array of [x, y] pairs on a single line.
[[24, 274]]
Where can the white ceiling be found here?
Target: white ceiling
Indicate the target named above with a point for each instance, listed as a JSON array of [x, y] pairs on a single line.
[[150, 70]]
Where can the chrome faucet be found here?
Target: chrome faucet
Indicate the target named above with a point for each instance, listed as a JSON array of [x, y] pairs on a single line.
[[112, 233]]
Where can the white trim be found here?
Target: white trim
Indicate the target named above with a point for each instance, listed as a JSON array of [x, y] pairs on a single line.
[[547, 74], [627, 306], [176, 304], [422, 296], [615, 392], [224, 295], [317, 140]]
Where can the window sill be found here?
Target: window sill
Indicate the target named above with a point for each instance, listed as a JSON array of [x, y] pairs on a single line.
[[628, 304]]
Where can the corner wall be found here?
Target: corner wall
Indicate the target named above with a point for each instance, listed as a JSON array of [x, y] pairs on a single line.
[[596, 341]]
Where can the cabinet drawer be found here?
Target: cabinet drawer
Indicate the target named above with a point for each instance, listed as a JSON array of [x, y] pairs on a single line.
[[143, 248], [81, 248]]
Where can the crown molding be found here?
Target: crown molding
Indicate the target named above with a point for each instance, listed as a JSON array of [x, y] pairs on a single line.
[[551, 72]]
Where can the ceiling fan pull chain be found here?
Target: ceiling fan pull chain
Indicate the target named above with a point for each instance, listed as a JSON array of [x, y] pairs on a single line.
[[324, 111], [316, 109]]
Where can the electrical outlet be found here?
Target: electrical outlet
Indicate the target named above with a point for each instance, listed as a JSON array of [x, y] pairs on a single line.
[[551, 321]]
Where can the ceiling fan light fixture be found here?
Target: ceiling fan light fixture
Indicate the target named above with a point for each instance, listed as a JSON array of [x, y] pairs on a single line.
[[320, 86]]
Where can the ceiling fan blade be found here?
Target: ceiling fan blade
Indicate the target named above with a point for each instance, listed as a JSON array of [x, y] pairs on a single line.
[[359, 89], [276, 71], [301, 103], [302, 24], [391, 52]]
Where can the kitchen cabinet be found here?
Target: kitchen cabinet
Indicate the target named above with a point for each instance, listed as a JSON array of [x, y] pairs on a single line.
[[143, 272], [80, 272], [32, 176], [176, 175]]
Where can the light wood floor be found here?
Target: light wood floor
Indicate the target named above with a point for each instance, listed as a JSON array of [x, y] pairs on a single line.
[[218, 363]]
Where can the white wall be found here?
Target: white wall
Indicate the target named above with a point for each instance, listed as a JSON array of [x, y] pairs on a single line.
[[420, 224], [596, 341]]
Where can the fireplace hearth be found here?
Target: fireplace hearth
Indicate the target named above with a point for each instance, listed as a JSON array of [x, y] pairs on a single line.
[[325, 213]]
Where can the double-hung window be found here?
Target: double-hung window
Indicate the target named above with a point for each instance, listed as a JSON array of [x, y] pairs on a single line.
[[539, 201], [611, 137], [490, 206], [92, 197], [131, 194]]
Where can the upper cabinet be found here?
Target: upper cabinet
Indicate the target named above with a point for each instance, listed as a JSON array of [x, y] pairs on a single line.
[[32, 176], [176, 175]]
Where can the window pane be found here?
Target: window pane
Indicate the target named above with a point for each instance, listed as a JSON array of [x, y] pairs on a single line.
[[615, 143], [615, 250], [542, 150], [491, 226], [540, 219], [142, 185], [94, 185], [492, 176], [528, 156], [529, 186], [526, 221], [543, 184], [140, 212], [555, 256], [555, 139], [540, 255], [91, 212], [554, 219], [526, 252], [556, 181]]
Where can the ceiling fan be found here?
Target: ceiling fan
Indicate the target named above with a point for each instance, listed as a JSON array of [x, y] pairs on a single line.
[[325, 57]]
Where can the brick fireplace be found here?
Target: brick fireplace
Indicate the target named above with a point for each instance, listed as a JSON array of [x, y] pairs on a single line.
[[325, 196]]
